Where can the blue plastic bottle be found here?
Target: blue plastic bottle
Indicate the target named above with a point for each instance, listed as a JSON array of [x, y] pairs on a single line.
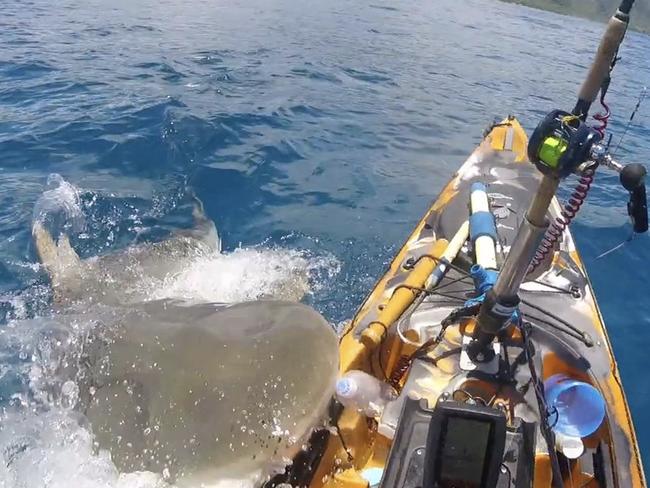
[[580, 407]]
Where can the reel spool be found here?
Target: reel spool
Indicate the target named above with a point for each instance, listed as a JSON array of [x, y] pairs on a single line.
[[561, 143]]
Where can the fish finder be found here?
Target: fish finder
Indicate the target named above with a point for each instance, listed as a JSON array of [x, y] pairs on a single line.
[[459, 445], [464, 446]]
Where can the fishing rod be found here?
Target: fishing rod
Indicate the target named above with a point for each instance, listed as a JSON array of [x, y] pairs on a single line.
[[562, 144], [597, 79]]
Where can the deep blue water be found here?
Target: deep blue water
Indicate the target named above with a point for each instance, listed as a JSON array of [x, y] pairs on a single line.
[[325, 127]]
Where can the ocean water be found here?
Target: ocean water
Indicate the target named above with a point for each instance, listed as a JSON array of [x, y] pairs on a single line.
[[315, 133]]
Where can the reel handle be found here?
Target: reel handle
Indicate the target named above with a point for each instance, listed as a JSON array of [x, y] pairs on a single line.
[[632, 177], [633, 180]]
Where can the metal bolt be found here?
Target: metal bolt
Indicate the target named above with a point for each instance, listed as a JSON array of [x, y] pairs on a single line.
[[598, 152]]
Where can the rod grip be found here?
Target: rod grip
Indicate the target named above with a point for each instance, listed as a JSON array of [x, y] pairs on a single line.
[[599, 70]]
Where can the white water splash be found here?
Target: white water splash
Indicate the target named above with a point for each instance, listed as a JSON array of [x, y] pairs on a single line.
[[60, 206], [51, 448], [43, 441], [249, 274]]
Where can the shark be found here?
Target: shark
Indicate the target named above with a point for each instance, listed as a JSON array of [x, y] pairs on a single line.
[[199, 392], [120, 276]]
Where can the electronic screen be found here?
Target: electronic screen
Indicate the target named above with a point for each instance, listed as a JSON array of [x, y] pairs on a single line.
[[463, 453]]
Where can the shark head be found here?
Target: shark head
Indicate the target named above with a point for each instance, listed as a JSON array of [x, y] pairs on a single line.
[[207, 392]]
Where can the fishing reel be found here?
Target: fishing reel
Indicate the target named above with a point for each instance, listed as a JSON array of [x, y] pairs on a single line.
[[563, 144]]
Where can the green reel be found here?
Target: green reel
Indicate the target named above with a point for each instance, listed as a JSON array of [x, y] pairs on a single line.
[[560, 143]]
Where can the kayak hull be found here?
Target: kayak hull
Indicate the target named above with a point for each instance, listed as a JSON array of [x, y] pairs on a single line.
[[360, 446]]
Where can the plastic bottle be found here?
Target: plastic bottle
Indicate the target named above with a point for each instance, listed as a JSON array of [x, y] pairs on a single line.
[[578, 406], [363, 392]]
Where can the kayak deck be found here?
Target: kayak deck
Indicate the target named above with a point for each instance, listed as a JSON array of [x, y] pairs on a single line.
[[567, 332]]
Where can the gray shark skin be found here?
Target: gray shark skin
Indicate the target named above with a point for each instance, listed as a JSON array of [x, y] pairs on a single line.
[[207, 392], [198, 392], [120, 277]]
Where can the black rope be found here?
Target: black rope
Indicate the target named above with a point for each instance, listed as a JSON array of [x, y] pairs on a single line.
[[465, 290], [540, 321], [429, 292], [538, 386], [439, 260], [443, 355], [450, 282], [431, 344], [425, 292], [554, 287], [428, 346], [343, 443], [579, 334]]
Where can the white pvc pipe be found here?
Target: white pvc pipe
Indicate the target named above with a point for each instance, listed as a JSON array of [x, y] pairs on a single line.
[[484, 246]]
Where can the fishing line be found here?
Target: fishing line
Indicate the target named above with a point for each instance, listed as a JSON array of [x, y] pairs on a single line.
[[617, 247], [642, 96]]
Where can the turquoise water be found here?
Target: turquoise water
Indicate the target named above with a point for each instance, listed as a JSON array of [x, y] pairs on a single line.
[[315, 134]]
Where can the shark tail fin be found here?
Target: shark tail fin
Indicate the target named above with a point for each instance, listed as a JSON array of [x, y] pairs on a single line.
[[67, 255], [57, 258]]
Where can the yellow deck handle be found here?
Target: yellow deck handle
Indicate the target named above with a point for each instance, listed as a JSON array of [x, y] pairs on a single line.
[[404, 295]]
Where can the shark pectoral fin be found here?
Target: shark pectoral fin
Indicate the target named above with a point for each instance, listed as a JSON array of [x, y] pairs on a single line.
[[58, 259]]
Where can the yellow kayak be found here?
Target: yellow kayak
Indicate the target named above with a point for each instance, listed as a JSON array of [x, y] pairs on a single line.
[[480, 359], [405, 335]]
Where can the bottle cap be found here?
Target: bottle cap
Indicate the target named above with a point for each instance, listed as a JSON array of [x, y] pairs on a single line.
[[572, 447], [346, 387]]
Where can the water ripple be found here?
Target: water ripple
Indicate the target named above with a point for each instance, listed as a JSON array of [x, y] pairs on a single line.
[[326, 126]]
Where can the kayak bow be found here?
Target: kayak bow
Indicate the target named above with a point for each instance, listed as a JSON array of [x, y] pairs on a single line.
[[480, 358], [401, 314]]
